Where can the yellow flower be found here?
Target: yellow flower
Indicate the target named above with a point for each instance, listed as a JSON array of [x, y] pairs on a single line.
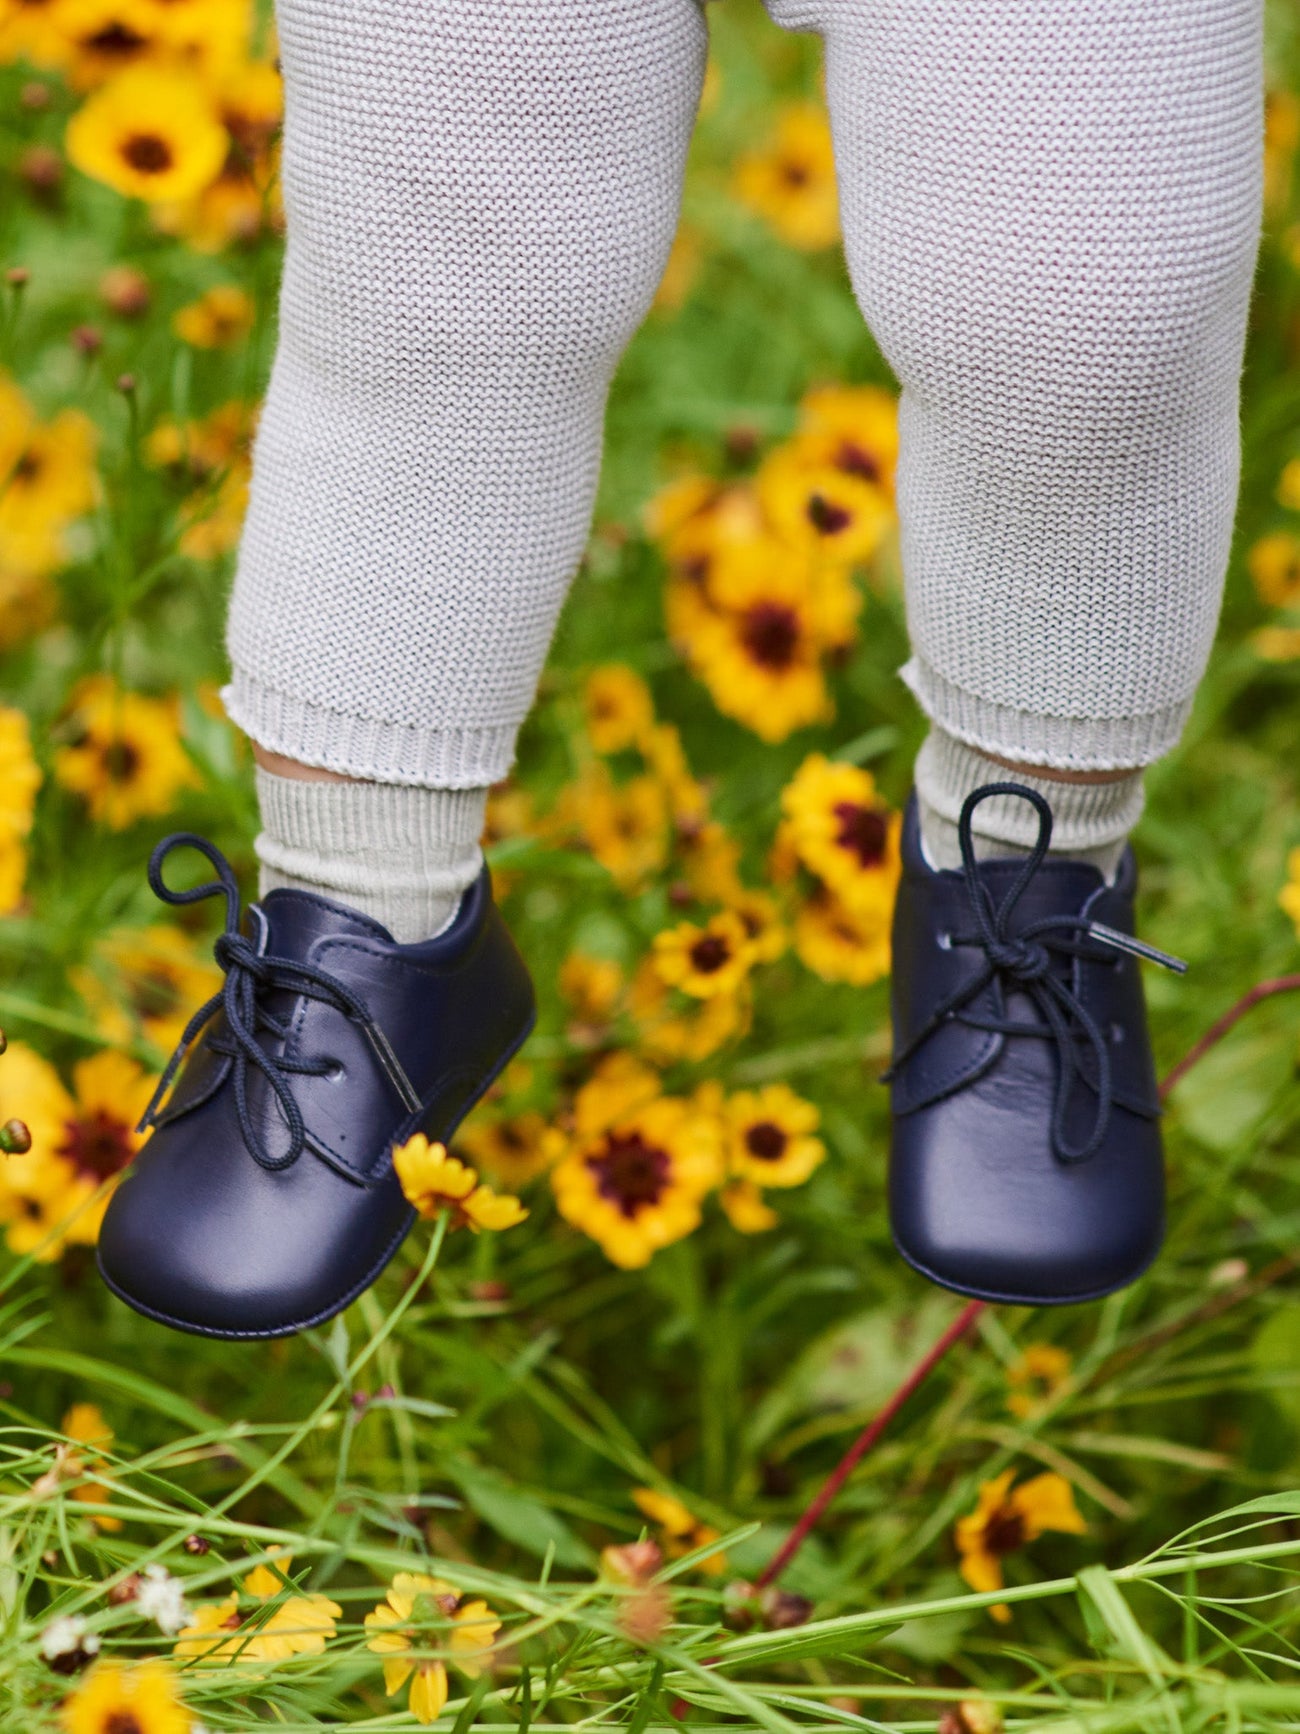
[[126, 759], [244, 200], [1289, 895], [85, 1424], [207, 34], [149, 134], [79, 1141], [20, 778], [861, 423], [680, 272], [638, 1186], [1281, 131], [692, 1033], [704, 961], [619, 708], [33, 30], [762, 922], [746, 1209], [1276, 643], [759, 656], [150, 982], [619, 1085], [433, 1182], [1005, 1519], [106, 37], [770, 1136], [1288, 487], [624, 825], [790, 182], [219, 319], [140, 1699], [419, 1619], [682, 1531], [842, 944], [812, 503], [296, 1626], [693, 516], [513, 1150], [42, 1198], [1274, 565], [844, 833], [591, 985], [47, 479], [1040, 1374], [665, 758]]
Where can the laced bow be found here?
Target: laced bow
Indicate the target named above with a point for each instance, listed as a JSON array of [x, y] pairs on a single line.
[[248, 974], [1024, 961]]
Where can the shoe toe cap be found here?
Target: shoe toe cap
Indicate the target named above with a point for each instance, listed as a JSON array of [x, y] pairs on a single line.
[[212, 1243], [980, 1203]]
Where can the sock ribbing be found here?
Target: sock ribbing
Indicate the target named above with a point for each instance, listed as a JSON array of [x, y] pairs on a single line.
[[1090, 821], [403, 855]]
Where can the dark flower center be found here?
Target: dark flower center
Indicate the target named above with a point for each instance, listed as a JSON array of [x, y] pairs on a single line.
[[770, 633], [147, 153], [855, 461], [122, 1722], [864, 831], [97, 1144], [795, 174], [28, 468], [631, 1173], [710, 953], [154, 994], [117, 39], [121, 761], [826, 517], [766, 1140], [1004, 1532]]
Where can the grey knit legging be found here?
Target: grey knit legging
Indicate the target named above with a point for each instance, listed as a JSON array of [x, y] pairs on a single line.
[[1051, 211]]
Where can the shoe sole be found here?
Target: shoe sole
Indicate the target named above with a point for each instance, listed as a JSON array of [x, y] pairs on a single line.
[[358, 1289], [998, 1297]]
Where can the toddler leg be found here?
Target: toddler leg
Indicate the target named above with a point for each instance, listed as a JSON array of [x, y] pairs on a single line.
[[480, 201], [1051, 215]]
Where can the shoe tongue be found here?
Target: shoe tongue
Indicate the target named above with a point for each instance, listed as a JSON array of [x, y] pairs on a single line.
[[1059, 887], [297, 919]]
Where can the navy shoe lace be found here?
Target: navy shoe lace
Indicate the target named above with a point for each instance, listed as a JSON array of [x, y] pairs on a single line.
[[1025, 961], [248, 975]]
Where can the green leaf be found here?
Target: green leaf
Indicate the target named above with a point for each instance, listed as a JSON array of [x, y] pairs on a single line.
[[519, 1517]]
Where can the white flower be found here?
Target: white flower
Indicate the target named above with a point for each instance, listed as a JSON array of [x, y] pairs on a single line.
[[65, 1635], [161, 1597]]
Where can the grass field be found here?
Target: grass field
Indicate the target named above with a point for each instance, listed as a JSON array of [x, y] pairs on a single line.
[[533, 1478]]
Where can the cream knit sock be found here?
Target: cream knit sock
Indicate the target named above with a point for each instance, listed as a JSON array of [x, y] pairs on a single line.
[[1090, 821], [401, 854]]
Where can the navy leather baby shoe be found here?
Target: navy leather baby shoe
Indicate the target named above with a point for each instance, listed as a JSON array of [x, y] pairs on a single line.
[[1026, 1161], [264, 1199]]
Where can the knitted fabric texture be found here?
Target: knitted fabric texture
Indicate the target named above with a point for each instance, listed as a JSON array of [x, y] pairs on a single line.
[[481, 196], [1090, 821], [404, 856], [1051, 215]]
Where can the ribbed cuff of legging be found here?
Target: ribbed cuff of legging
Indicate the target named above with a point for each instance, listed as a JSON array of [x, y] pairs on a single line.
[[1062, 743], [356, 746], [1085, 816]]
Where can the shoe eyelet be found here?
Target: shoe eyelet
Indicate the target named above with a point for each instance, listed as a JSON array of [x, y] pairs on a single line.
[[943, 940], [334, 1071], [1117, 1035]]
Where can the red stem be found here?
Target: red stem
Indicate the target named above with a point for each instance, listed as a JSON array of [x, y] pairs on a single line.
[[870, 1434], [864, 1441]]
